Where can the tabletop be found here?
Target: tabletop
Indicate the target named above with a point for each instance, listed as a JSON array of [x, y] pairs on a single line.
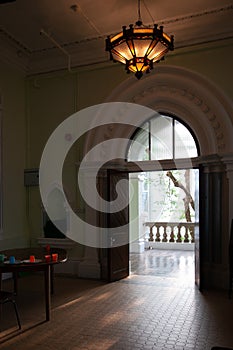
[[41, 256]]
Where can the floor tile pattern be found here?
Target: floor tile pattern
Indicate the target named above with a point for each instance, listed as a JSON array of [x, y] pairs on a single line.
[[146, 311]]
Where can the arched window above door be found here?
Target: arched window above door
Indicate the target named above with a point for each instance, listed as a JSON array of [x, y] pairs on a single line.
[[162, 137]]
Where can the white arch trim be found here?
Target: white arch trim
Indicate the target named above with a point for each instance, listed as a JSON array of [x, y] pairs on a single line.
[[189, 95]]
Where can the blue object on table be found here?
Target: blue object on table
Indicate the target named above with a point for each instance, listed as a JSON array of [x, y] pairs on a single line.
[[12, 259]]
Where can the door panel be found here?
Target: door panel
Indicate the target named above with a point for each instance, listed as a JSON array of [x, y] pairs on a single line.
[[198, 190], [118, 224]]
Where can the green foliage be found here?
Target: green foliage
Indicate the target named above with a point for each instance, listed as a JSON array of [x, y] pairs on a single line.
[[166, 200]]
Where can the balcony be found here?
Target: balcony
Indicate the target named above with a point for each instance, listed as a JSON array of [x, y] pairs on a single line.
[[169, 235]]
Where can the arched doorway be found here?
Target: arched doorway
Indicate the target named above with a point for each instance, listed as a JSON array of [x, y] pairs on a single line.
[[164, 201], [208, 113]]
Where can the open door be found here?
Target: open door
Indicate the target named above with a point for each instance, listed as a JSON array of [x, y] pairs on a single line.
[[231, 261], [118, 224], [200, 206]]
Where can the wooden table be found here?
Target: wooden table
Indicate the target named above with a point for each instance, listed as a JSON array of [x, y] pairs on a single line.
[[47, 268]]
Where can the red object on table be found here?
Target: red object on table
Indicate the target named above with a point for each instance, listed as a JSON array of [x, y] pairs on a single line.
[[54, 257], [32, 258], [47, 258]]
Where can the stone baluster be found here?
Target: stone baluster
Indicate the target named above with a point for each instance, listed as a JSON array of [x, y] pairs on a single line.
[[151, 235], [164, 233], [186, 235], [172, 236], [157, 239], [191, 231], [179, 234]]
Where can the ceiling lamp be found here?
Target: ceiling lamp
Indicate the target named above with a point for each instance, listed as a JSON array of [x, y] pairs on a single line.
[[138, 47]]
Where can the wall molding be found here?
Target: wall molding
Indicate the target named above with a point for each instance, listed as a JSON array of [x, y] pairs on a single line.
[[192, 29], [188, 95]]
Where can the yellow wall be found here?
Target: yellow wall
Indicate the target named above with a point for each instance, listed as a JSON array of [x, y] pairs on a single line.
[[213, 61], [13, 143], [49, 99]]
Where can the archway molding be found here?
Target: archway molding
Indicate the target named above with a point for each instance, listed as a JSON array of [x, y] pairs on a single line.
[[184, 93], [208, 112]]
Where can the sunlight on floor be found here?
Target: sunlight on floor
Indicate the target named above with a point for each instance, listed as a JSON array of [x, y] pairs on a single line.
[[164, 263]]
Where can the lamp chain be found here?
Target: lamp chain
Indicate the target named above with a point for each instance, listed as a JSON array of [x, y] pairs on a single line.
[[139, 22], [146, 7]]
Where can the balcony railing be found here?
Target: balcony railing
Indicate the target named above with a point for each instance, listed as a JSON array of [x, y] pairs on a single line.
[[170, 232]]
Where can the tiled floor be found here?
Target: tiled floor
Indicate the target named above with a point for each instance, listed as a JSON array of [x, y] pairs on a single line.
[[164, 263], [156, 308]]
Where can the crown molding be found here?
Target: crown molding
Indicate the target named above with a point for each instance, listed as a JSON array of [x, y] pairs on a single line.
[[13, 54], [193, 29]]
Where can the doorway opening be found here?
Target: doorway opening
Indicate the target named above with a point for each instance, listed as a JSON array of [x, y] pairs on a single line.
[[162, 223], [164, 203]]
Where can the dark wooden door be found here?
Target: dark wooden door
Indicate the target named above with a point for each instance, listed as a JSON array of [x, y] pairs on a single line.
[[231, 260], [197, 238], [118, 225]]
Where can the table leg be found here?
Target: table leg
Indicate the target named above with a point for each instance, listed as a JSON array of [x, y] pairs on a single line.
[[47, 292], [52, 278], [15, 278], [1, 321]]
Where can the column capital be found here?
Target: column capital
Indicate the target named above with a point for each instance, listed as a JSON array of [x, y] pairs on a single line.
[[211, 163], [227, 159]]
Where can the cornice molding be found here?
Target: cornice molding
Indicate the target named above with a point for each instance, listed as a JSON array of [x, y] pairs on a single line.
[[12, 54], [228, 161], [192, 29]]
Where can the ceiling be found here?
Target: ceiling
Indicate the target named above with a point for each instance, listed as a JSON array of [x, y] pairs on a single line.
[[44, 35]]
